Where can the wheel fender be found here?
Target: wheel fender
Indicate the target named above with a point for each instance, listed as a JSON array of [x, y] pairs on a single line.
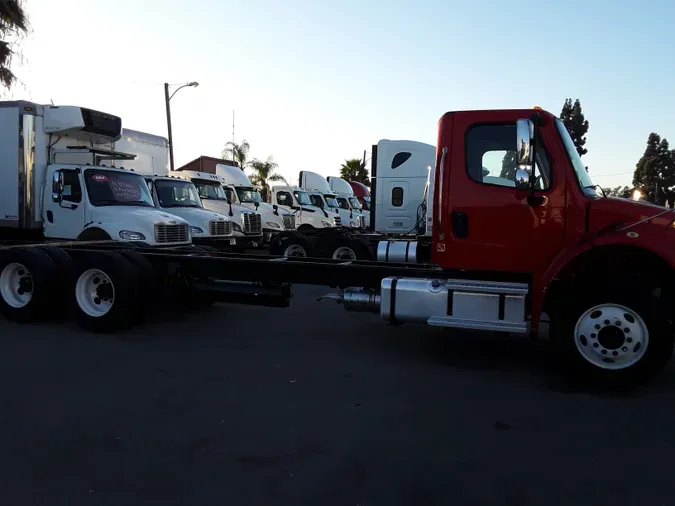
[[94, 234]]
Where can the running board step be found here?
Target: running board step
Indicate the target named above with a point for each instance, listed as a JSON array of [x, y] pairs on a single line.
[[462, 323]]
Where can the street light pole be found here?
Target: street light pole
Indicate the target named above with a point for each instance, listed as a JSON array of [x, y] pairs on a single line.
[[167, 99]]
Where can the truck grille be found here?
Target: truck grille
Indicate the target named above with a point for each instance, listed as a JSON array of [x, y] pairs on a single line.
[[252, 223], [289, 221], [171, 233], [362, 221], [220, 227], [338, 221]]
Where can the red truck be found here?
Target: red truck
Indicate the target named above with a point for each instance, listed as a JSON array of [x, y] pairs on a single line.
[[506, 246]]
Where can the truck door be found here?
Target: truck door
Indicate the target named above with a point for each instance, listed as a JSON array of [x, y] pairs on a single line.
[[64, 205], [488, 224]]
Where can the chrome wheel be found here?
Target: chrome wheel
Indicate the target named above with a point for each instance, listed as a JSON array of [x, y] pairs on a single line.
[[611, 336], [95, 293], [16, 285]]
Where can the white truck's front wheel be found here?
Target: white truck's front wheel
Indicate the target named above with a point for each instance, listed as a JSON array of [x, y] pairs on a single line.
[[619, 336]]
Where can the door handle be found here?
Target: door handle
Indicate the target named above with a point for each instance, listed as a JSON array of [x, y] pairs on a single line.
[[460, 224]]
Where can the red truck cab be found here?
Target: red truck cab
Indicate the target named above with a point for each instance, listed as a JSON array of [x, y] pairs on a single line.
[[362, 193]]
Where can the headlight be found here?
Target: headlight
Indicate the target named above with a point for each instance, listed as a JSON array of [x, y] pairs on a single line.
[[130, 235], [272, 224], [326, 224], [351, 223], [196, 230], [237, 227]]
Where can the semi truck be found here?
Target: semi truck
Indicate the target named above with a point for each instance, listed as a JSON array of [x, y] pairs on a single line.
[[362, 194], [247, 223], [347, 201], [240, 191], [500, 256], [173, 195], [55, 185]]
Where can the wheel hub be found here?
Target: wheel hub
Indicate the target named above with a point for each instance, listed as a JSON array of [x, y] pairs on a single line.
[[611, 337], [16, 285]]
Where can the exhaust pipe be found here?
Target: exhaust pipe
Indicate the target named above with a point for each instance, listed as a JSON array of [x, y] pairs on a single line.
[[356, 299]]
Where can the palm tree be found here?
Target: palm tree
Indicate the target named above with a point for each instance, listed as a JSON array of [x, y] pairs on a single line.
[[264, 171], [355, 169], [237, 153], [13, 24]]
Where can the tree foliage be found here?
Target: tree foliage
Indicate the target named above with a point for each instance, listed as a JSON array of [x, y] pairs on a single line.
[[263, 171], [237, 152], [624, 192], [654, 173], [355, 169], [13, 26], [577, 125], [509, 166]]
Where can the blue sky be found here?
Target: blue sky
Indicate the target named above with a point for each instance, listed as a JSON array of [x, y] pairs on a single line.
[[315, 82]]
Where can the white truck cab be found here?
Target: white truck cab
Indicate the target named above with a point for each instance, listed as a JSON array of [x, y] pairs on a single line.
[[54, 184], [239, 189], [400, 173], [309, 213], [174, 195], [181, 198], [247, 224], [322, 196], [348, 202]]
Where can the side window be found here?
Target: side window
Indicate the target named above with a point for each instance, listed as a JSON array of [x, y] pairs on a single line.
[[491, 157], [397, 196], [316, 200], [284, 199], [400, 158], [72, 190]]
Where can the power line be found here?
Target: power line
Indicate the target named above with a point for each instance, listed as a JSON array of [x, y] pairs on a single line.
[[613, 174]]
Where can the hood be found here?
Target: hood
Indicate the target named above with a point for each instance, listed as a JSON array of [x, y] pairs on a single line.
[[197, 216], [129, 213], [608, 211]]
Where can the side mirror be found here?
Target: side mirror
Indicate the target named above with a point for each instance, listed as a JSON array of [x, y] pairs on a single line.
[[524, 153], [57, 187]]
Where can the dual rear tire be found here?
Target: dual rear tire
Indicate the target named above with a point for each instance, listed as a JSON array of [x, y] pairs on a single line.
[[104, 291]]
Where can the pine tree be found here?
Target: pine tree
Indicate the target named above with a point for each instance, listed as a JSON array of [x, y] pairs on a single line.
[[509, 166], [655, 172], [577, 125]]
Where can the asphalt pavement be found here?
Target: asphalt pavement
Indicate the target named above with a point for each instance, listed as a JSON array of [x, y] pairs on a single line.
[[315, 406]]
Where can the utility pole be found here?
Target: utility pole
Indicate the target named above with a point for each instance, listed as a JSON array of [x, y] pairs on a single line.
[[167, 99], [233, 137], [168, 124]]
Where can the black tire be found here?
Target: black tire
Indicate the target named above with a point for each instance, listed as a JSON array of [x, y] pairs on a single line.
[[63, 281], [42, 280], [286, 243], [124, 280], [94, 234], [638, 298], [147, 280]]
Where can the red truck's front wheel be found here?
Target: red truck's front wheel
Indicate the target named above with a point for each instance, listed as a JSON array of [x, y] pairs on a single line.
[[618, 335]]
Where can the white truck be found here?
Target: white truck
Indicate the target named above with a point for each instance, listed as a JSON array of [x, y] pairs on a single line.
[[321, 195], [173, 195], [247, 224], [55, 187], [310, 214], [241, 192], [348, 202]]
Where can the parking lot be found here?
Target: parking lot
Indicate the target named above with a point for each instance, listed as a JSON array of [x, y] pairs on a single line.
[[315, 406]]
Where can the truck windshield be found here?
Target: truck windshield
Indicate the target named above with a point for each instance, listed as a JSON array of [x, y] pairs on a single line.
[[585, 181], [354, 202], [330, 200], [366, 203], [177, 193], [343, 203], [247, 194], [210, 190], [113, 188], [302, 198]]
